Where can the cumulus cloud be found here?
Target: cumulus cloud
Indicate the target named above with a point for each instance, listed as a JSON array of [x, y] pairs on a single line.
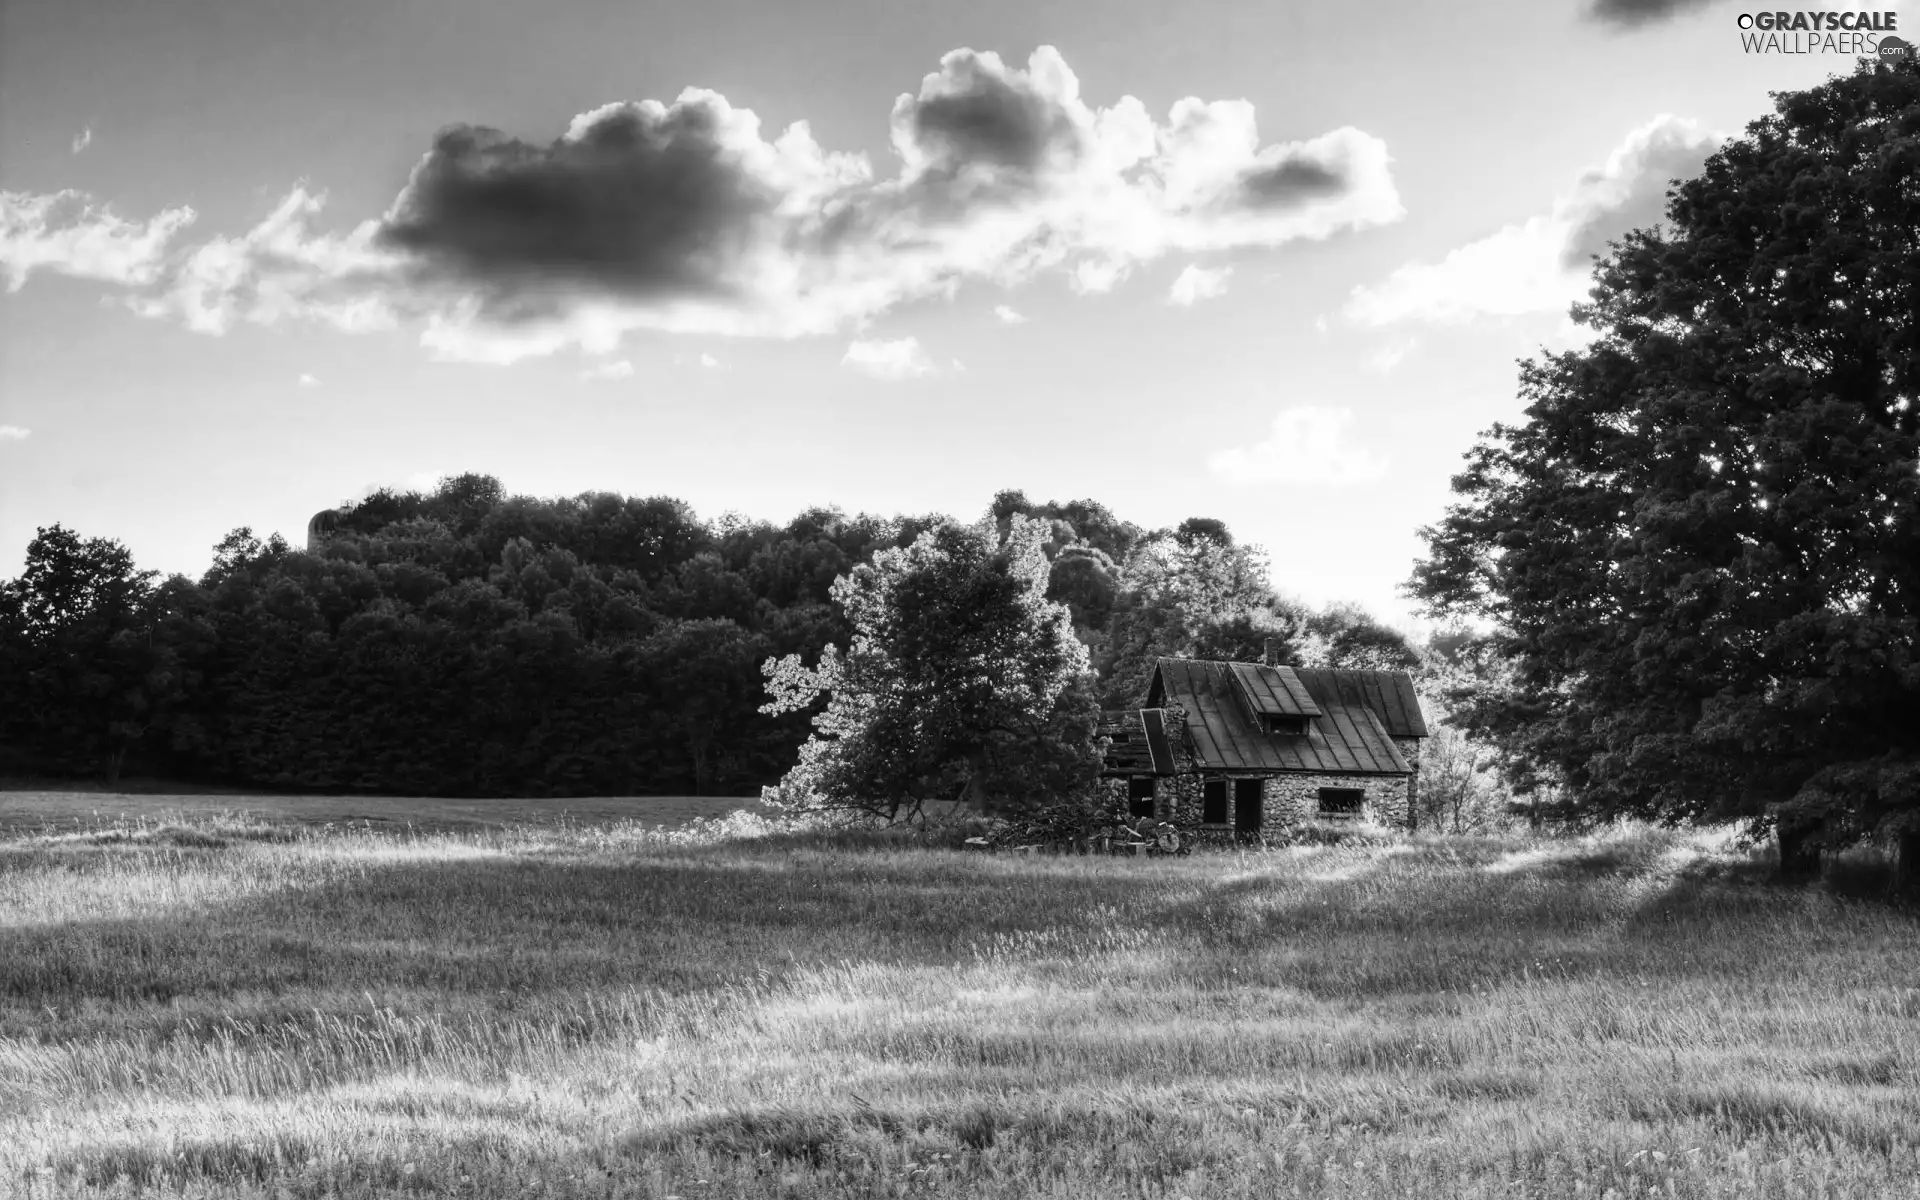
[[601, 372], [14, 433], [1634, 13], [1306, 445], [66, 233], [689, 218], [1008, 315], [281, 268], [1198, 283], [1545, 263], [899, 359], [83, 139], [309, 381]]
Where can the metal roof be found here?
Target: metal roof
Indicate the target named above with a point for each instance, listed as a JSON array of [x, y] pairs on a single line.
[[1342, 736], [1272, 691], [1387, 694]]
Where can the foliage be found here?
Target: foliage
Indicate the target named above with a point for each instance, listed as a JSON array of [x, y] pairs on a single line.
[[82, 675], [1701, 551], [465, 641], [1465, 782], [961, 680], [1177, 591], [1195, 593]]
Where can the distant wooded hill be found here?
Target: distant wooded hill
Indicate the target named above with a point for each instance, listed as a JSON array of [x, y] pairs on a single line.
[[468, 642]]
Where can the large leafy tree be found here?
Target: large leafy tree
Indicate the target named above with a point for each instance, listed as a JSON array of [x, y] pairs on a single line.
[[1184, 594], [1702, 548], [82, 677], [962, 679]]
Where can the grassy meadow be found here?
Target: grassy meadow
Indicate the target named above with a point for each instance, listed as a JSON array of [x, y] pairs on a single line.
[[40, 809], [208, 1004]]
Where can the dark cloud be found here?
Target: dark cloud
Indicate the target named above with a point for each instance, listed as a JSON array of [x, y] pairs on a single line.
[[1632, 14], [688, 218], [1292, 181], [637, 200], [976, 112], [993, 123]]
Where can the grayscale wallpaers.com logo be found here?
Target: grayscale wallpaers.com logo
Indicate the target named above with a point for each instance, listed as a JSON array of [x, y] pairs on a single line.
[[1867, 34]]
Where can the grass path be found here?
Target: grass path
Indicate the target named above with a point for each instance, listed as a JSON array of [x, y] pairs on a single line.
[[245, 1007]]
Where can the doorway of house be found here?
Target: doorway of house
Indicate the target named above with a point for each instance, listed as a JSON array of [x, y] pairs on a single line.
[[1140, 796], [1213, 802], [1247, 817]]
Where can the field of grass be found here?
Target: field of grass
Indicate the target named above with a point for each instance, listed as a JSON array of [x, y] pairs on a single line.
[[40, 809], [237, 1006]]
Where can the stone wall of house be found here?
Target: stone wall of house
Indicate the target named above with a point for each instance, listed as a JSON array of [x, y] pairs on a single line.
[[1409, 748], [1286, 801], [1294, 799]]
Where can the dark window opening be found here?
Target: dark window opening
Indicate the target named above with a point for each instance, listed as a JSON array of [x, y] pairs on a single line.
[[1292, 725], [1246, 805], [1213, 802], [1341, 803], [1140, 796]]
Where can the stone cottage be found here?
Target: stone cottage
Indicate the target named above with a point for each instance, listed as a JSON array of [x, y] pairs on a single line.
[[1245, 748]]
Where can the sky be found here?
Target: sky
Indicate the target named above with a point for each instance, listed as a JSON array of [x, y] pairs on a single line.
[[1272, 263]]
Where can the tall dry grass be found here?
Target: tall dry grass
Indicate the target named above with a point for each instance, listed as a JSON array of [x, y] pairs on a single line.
[[228, 1007]]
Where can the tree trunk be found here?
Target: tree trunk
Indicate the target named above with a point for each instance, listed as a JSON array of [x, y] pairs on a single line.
[[702, 773], [1906, 865], [976, 793], [1799, 857]]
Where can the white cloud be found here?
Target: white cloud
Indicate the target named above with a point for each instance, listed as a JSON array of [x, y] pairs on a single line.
[[1544, 263], [1198, 283], [282, 269], [1098, 275], [1008, 315], [1389, 356], [309, 381], [1306, 446], [83, 139], [1003, 173], [619, 369], [66, 233], [901, 358], [14, 433]]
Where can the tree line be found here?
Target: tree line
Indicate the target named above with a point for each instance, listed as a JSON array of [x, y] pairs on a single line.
[[464, 641]]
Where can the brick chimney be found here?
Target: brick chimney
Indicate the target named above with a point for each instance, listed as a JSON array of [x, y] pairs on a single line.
[[1270, 654]]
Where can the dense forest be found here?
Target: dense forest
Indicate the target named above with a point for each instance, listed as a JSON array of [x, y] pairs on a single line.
[[470, 642]]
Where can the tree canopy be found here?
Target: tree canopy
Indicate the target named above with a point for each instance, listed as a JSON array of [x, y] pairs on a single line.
[[467, 641], [1701, 549], [962, 680]]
